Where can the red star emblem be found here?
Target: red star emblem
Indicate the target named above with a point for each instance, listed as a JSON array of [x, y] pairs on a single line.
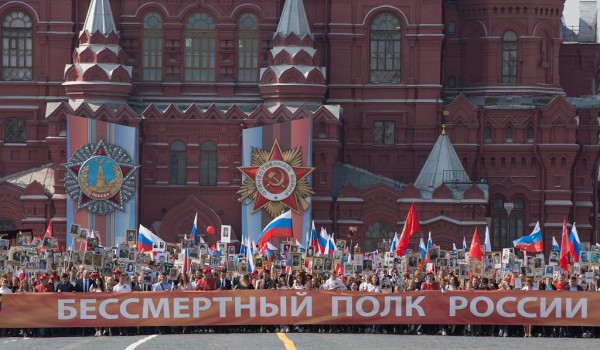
[[276, 180], [101, 151]]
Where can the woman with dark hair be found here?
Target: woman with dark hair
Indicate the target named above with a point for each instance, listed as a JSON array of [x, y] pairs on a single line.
[[99, 288], [527, 286], [300, 282], [244, 283]]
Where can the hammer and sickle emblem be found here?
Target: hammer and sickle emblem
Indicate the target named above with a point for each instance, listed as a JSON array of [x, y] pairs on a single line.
[[274, 180]]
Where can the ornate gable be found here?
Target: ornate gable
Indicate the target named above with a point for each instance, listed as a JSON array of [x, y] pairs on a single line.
[[442, 192], [410, 191]]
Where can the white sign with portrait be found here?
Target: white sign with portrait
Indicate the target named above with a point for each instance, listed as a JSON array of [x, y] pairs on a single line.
[[226, 233]]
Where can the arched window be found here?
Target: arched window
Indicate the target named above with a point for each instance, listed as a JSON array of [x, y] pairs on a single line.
[[200, 48], [529, 134], [177, 163], [507, 222], [152, 47], [376, 233], [452, 82], [248, 48], [487, 134], [17, 47], [509, 57], [385, 49], [208, 164], [7, 224], [509, 134]]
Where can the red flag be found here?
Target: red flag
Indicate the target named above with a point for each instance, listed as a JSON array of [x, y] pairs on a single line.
[[49, 229], [339, 269], [411, 225], [475, 249], [263, 249], [564, 248]]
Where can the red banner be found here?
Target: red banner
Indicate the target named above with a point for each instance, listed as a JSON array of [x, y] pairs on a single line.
[[262, 307]]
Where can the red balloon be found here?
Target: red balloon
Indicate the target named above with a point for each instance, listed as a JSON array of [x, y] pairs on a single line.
[[210, 230]]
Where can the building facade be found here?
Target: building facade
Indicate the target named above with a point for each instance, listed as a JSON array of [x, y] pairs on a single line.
[[379, 79]]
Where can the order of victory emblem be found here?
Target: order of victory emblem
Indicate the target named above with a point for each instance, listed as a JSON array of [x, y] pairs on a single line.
[[276, 180], [100, 178]]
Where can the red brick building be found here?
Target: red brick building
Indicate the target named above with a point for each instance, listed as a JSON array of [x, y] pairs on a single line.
[[378, 79]]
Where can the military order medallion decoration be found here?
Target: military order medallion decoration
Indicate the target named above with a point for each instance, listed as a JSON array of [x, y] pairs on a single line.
[[276, 180], [100, 178]]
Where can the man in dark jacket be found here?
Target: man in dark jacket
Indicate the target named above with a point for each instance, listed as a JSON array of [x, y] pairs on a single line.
[[64, 285], [223, 283], [84, 283]]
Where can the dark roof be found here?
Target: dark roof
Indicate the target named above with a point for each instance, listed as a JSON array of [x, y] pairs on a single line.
[[344, 174]]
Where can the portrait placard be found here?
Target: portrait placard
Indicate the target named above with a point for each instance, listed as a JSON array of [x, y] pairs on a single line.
[[506, 255], [88, 258], [242, 267], [553, 258], [97, 260], [131, 236], [258, 263], [226, 233], [337, 256], [173, 274], [83, 233], [74, 230], [463, 270], [231, 250], [584, 257], [328, 265], [413, 260], [310, 251], [348, 269], [296, 261], [123, 251], [340, 244], [475, 266], [367, 266], [275, 255]]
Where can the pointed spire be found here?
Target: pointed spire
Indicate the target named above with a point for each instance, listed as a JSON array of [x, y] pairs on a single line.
[[443, 164], [102, 74], [293, 20], [99, 18]]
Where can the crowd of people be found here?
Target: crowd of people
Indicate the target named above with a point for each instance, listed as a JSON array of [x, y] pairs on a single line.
[[83, 280]]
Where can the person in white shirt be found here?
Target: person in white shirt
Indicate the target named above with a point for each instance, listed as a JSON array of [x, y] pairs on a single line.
[[364, 283], [122, 287], [4, 288], [161, 285], [374, 286], [334, 283], [300, 282]]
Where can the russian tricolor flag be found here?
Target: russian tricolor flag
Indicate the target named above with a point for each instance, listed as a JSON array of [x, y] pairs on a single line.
[[394, 245], [325, 244], [314, 239], [532, 243], [429, 246], [281, 226], [555, 245], [195, 230], [574, 244], [250, 257], [422, 249], [146, 239]]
